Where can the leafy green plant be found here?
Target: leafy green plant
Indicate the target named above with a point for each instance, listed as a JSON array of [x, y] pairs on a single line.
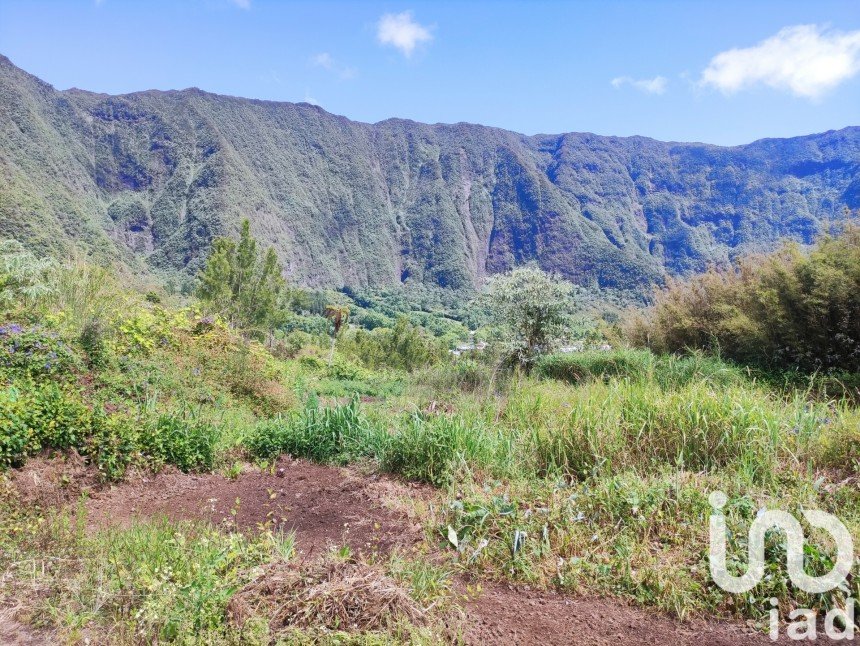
[[35, 352], [58, 419], [15, 434], [113, 445], [24, 278], [787, 309]]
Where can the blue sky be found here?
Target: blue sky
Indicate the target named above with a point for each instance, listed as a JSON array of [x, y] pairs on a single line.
[[723, 72]]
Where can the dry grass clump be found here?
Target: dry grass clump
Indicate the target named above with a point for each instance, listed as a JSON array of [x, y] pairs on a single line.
[[329, 593]]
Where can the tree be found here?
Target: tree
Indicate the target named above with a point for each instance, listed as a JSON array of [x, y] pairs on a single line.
[[237, 284], [532, 308]]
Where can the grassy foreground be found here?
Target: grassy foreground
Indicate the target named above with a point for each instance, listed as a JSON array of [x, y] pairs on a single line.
[[591, 475]]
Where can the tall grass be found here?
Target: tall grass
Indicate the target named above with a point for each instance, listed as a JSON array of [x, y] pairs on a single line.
[[324, 434], [665, 371], [690, 414], [436, 448]]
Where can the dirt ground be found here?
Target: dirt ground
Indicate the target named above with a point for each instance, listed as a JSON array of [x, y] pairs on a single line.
[[332, 506], [505, 615], [323, 505], [13, 633]]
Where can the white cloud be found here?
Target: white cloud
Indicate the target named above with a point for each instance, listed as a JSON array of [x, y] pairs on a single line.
[[323, 60], [327, 62], [656, 85], [309, 99], [401, 31], [806, 60], [242, 4]]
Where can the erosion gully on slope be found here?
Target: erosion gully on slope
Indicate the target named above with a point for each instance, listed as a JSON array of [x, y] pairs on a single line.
[[328, 505]]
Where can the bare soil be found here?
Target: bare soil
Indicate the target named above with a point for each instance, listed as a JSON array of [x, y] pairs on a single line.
[[507, 615], [332, 506], [324, 505], [14, 633]]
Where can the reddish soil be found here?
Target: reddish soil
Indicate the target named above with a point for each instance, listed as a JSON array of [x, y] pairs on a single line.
[[53, 481], [323, 505], [504, 615], [327, 505]]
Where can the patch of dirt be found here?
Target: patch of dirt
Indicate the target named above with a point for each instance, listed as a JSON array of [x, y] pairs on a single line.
[[14, 633], [53, 481], [505, 615], [324, 505]]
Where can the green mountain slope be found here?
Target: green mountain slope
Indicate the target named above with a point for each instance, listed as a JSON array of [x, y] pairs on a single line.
[[151, 177]]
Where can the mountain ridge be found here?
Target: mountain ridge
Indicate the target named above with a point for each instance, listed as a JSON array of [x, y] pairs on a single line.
[[151, 177]]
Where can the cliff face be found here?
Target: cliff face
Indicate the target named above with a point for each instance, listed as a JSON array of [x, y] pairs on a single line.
[[150, 178]]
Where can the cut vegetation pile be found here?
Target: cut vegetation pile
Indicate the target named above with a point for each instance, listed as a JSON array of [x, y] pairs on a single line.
[[327, 593]]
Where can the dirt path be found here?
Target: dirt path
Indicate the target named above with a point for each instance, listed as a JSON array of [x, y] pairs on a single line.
[[327, 505]]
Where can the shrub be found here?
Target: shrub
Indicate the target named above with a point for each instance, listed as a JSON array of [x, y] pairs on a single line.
[[58, 420], [34, 352], [405, 346], [787, 309], [93, 341], [113, 445], [14, 432], [289, 346], [23, 276]]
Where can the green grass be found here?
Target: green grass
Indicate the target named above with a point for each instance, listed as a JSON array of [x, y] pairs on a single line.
[[169, 581], [665, 371], [330, 434]]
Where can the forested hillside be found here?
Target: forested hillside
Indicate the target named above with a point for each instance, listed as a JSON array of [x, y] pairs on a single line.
[[151, 178]]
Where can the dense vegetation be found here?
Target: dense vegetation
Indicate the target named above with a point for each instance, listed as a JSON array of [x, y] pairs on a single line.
[[153, 178], [589, 471], [786, 310]]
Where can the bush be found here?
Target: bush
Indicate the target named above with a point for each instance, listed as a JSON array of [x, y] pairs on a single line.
[[113, 445], [34, 352], [784, 310], [290, 346], [404, 346], [15, 433], [58, 420], [93, 341]]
